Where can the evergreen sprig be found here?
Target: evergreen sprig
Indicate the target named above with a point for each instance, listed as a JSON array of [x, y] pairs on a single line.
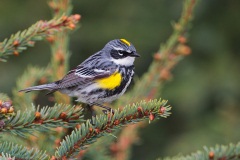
[[6, 108], [166, 58], [88, 133], [43, 119], [27, 38], [4, 97], [32, 76], [60, 47], [5, 156], [219, 152], [18, 152]]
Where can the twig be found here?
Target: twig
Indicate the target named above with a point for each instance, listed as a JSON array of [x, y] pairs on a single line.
[[42, 119], [27, 38], [165, 59], [88, 133]]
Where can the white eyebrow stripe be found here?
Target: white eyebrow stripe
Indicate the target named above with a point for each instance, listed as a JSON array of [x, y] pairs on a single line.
[[117, 48], [120, 49]]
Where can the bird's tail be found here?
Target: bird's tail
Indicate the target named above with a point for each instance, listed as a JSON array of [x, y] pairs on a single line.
[[50, 86]]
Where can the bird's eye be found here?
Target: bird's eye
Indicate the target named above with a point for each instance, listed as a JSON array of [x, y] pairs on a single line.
[[120, 53]]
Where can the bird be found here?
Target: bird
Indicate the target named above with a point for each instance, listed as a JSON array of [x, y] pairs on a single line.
[[101, 78]]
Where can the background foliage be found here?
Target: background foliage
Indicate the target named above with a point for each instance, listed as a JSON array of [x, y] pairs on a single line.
[[205, 89]]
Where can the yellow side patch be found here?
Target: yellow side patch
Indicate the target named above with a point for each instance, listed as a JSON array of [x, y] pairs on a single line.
[[125, 41], [110, 82]]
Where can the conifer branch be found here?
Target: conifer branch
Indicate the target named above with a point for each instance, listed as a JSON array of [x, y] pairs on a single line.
[[32, 76], [6, 108], [27, 38], [5, 156], [88, 133], [168, 55], [60, 46], [166, 58], [14, 151], [4, 97], [219, 152], [43, 119]]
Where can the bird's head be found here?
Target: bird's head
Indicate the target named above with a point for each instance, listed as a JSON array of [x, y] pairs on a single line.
[[121, 52]]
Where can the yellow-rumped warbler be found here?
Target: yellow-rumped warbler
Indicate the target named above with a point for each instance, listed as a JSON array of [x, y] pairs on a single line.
[[102, 77]]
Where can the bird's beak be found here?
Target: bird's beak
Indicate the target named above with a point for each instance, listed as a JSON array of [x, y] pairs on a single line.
[[135, 54]]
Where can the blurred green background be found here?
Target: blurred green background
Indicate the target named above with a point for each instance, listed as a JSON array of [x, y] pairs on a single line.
[[205, 90]]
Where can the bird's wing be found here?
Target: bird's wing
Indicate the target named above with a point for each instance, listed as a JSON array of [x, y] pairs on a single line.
[[83, 75]]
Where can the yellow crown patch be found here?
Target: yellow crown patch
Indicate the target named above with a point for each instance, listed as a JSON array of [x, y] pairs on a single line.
[[125, 42]]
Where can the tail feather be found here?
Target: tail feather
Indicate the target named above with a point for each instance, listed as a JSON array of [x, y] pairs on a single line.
[[51, 87]]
